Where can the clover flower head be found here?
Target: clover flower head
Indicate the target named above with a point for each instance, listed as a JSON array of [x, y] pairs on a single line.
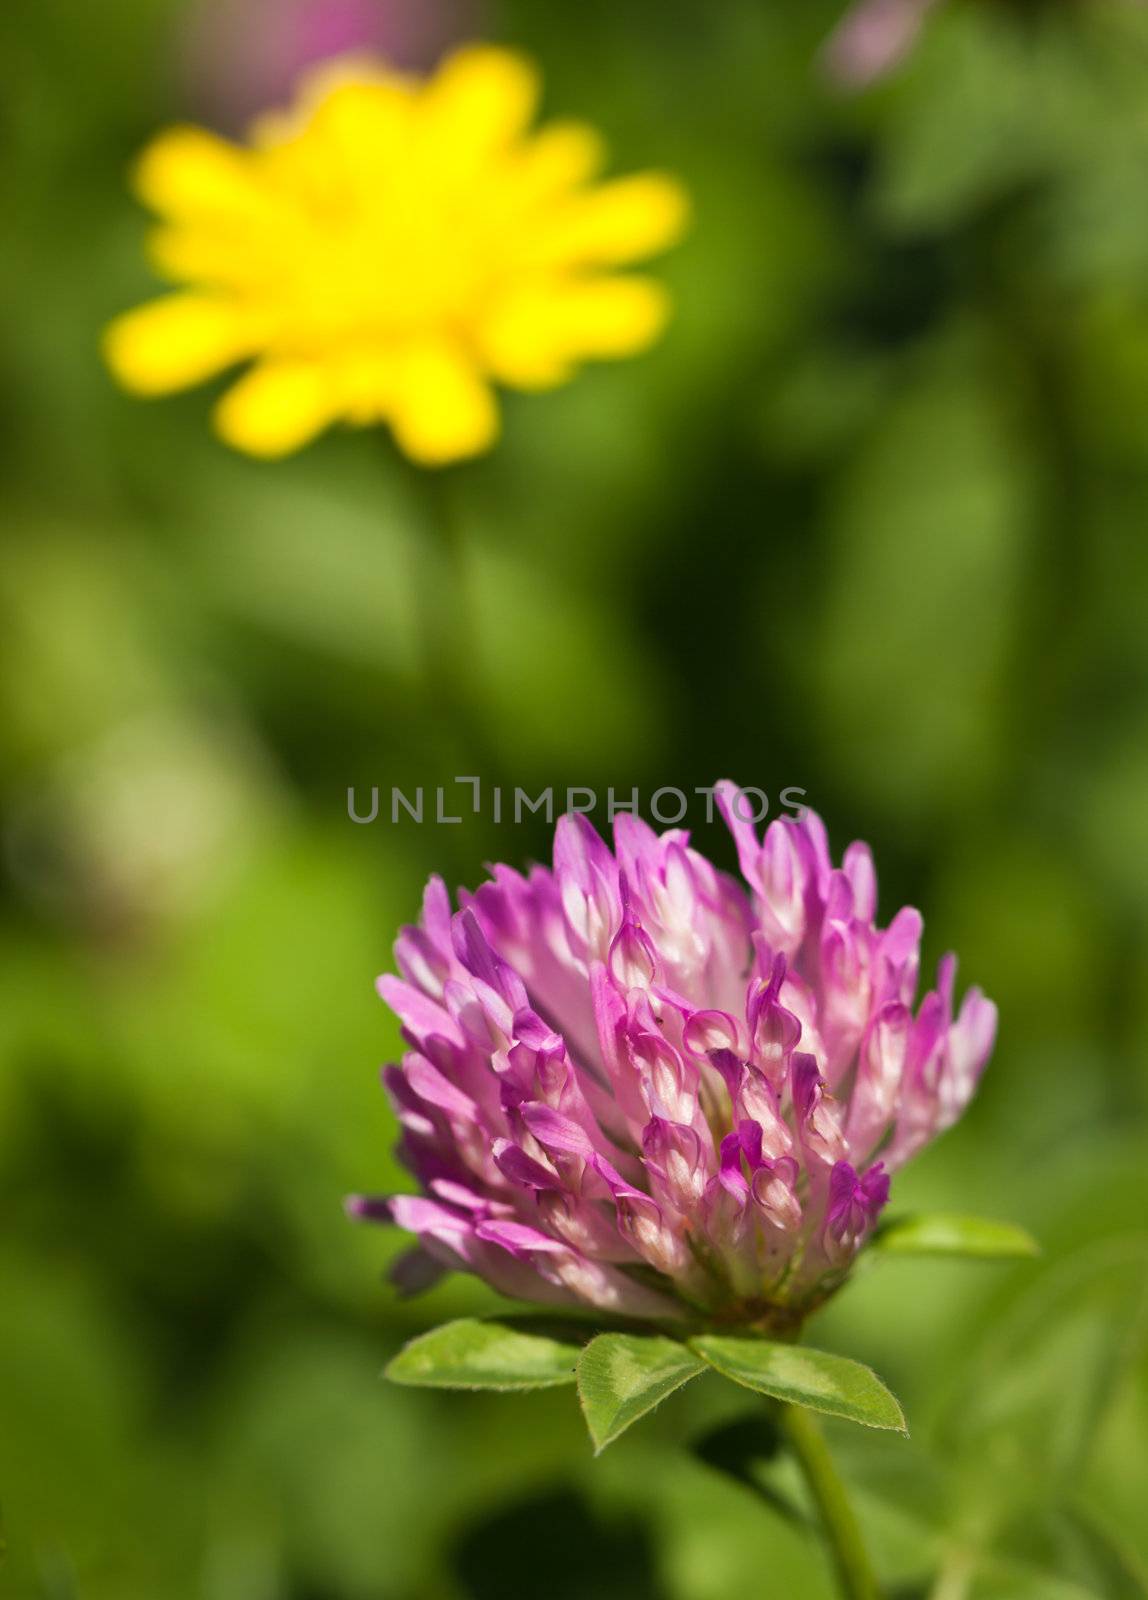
[[636, 1083], [388, 250]]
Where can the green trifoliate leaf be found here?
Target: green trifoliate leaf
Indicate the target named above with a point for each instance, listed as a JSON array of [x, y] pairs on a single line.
[[944, 1233], [804, 1377], [621, 1376], [484, 1355]]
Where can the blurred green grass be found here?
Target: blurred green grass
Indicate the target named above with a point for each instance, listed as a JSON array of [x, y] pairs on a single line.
[[870, 522]]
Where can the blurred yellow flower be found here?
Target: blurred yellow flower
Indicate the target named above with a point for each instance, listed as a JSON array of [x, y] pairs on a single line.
[[385, 251]]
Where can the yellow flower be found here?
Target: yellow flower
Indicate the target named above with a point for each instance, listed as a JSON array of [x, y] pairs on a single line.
[[386, 251]]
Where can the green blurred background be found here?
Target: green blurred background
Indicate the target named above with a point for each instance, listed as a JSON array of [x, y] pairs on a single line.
[[871, 521]]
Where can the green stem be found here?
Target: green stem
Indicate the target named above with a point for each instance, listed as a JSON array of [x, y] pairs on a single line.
[[447, 623], [838, 1522], [451, 732]]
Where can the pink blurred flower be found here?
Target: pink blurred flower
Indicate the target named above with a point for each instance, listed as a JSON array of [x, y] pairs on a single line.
[[243, 56], [636, 1083], [873, 38]]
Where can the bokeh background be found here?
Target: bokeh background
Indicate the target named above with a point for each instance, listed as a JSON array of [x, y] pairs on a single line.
[[872, 521]]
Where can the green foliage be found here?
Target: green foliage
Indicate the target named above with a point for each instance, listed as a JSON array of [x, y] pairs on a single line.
[[803, 1377], [483, 1355], [945, 1233], [623, 1376]]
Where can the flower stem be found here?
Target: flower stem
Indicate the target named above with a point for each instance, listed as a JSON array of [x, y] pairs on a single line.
[[447, 622], [839, 1524]]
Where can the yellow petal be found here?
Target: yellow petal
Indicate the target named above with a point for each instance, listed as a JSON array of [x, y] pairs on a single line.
[[557, 158], [276, 408], [531, 338], [617, 222], [365, 379], [442, 409], [188, 172], [174, 342], [523, 342], [317, 84], [479, 100], [608, 317], [211, 256], [364, 125]]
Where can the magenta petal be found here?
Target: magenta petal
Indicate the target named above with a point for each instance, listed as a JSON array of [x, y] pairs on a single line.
[[677, 1159], [522, 1170], [736, 816], [517, 1238], [368, 1208], [557, 1134], [633, 961], [415, 1272], [774, 1194], [420, 1016]]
